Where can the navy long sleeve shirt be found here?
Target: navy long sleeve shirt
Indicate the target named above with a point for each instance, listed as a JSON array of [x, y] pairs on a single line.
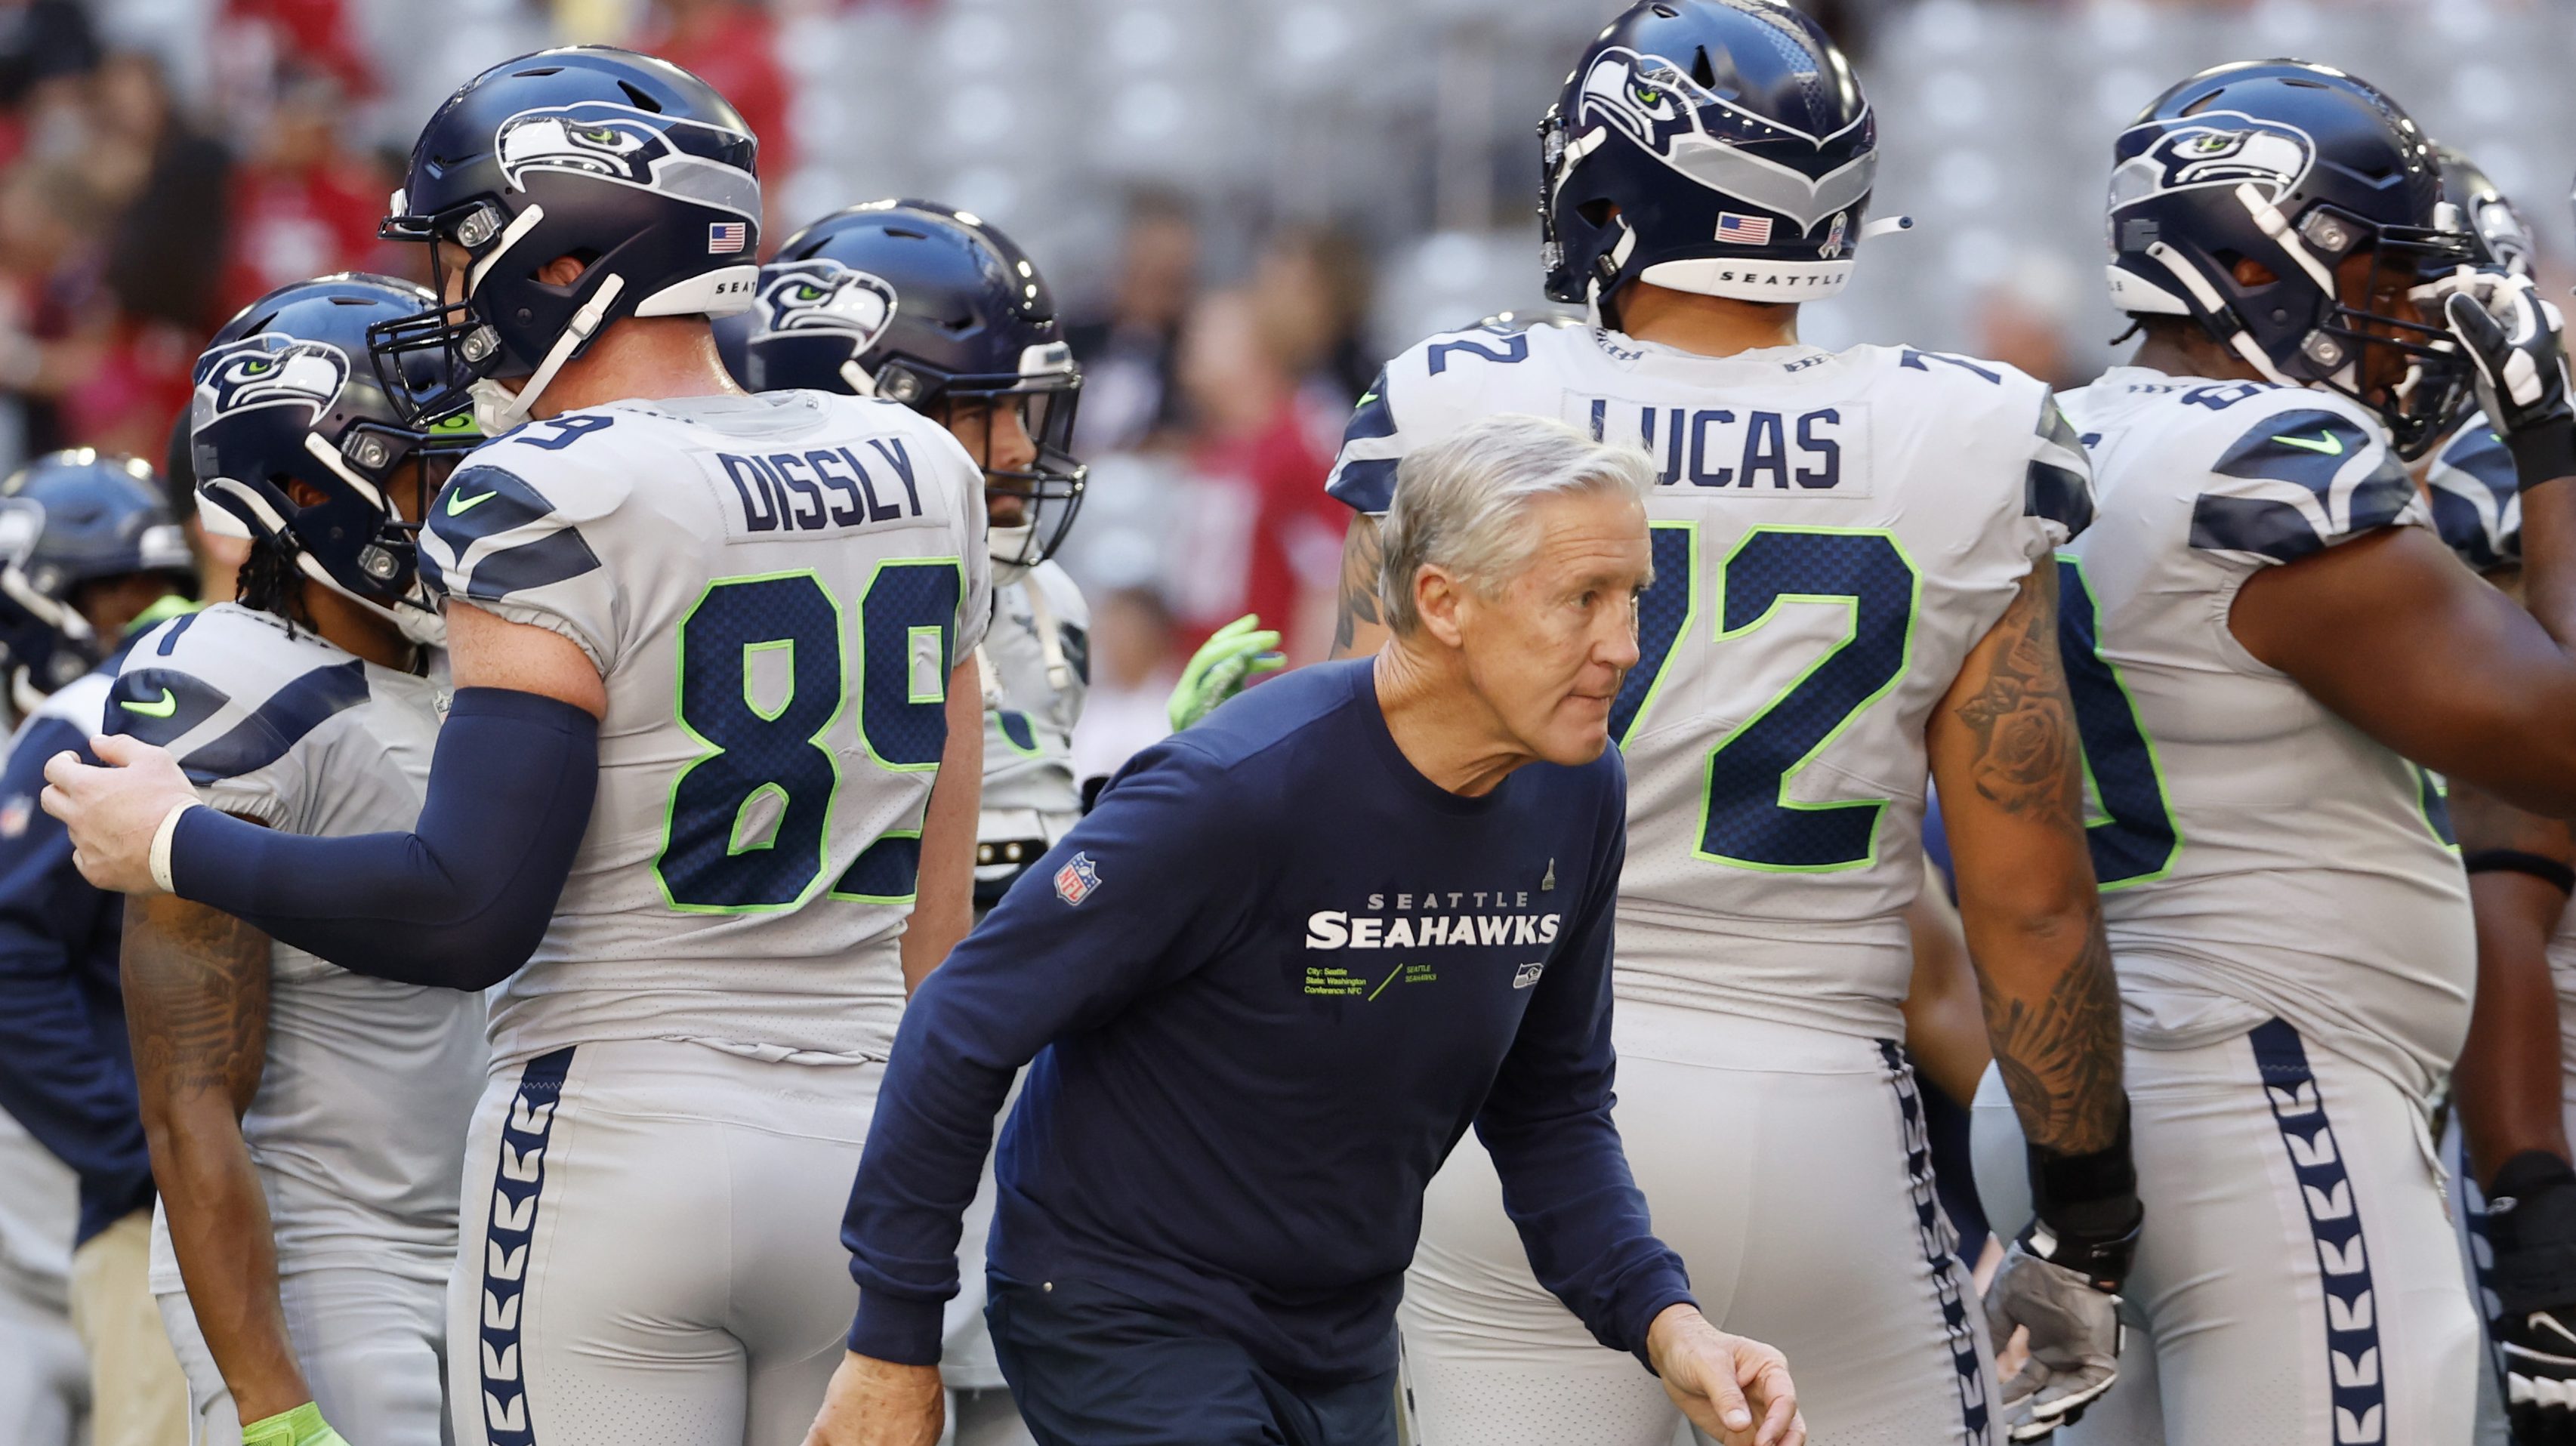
[[1267, 984], [66, 1070]]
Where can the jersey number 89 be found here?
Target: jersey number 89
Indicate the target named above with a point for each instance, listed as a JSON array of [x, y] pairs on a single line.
[[750, 819]]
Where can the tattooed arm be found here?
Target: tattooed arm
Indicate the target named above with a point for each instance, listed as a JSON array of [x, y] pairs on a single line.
[[2508, 1080], [2009, 765], [1359, 624], [196, 1005]]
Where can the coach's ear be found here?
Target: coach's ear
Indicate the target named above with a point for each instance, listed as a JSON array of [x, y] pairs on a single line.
[[1438, 597]]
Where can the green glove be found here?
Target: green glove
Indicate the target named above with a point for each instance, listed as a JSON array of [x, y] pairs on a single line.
[[1223, 664], [302, 1426]]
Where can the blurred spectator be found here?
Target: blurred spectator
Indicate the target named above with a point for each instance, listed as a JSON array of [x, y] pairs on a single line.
[[733, 46], [164, 264], [1314, 284], [1134, 663], [1128, 389], [269, 36], [46, 47], [1256, 532], [2023, 319], [56, 321], [304, 201]]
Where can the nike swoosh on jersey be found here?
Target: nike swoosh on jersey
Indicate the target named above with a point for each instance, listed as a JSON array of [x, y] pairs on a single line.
[[2326, 442], [458, 504], [168, 705]]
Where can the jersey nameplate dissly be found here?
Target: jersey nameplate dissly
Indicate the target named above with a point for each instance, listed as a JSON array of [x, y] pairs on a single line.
[[1740, 449], [798, 491]]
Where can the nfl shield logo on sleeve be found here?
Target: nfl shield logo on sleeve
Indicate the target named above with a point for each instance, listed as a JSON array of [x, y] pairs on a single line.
[[1075, 881]]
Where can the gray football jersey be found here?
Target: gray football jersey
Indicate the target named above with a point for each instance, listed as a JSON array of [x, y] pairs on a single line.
[[2258, 855], [1833, 533], [358, 1128], [774, 589], [1037, 656]]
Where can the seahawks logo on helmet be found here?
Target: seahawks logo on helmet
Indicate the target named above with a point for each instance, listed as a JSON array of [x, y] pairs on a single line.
[[822, 295], [269, 370], [2216, 148], [632, 148], [1690, 128]]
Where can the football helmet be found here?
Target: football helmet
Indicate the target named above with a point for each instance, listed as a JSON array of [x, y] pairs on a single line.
[[630, 163], [69, 518], [2299, 168], [1714, 146], [285, 394], [928, 306], [2496, 227]]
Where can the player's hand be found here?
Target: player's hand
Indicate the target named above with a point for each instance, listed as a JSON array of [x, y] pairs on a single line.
[[878, 1403], [2517, 350], [302, 1426], [2074, 1341], [2531, 1223], [1231, 657], [114, 812], [1736, 1390]]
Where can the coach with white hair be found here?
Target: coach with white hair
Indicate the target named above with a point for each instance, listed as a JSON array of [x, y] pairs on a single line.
[[1269, 982]]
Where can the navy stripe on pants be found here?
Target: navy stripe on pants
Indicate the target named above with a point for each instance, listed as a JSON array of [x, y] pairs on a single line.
[[1091, 1367]]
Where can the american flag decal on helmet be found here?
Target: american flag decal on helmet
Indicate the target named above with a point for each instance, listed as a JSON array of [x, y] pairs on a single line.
[[1743, 230], [724, 238]]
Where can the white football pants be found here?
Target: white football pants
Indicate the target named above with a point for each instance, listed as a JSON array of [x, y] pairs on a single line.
[[651, 1247], [2296, 1280], [1788, 1167], [373, 1346]]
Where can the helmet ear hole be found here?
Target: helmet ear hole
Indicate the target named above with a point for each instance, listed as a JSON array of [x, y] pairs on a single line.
[[1597, 213]]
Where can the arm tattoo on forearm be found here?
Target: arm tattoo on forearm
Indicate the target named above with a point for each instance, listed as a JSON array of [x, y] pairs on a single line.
[[2028, 757], [1362, 551], [2060, 1056], [196, 999]]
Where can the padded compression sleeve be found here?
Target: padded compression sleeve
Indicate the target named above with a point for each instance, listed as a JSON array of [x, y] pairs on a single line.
[[463, 900]]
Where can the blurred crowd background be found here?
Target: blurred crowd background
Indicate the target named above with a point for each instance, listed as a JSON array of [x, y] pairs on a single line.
[[1244, 205]]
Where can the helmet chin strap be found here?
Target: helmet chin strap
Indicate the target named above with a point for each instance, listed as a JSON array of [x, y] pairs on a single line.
[[584, 323]]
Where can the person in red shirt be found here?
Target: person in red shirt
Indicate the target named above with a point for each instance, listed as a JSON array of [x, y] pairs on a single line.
[[1257, 532], [303, 204]]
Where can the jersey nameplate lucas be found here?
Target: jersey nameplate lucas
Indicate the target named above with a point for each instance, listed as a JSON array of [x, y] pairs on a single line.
[[1815, 453], [796, 492]]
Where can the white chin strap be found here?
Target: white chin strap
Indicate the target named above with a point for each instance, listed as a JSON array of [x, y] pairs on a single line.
[[502, 416]]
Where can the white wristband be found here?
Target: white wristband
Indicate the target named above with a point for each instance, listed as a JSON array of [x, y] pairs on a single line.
[[161, 837]]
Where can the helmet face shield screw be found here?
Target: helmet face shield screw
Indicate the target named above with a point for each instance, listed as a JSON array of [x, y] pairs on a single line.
[[480, 344], [2324, 350], [370, 451], [379, 564], [477, 228]]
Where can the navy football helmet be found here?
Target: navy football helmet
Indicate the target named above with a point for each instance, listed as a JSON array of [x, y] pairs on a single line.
[[1714, 146], [66, 519], [284, 395], [2298, 168], [630, 163], [928, 306], [2497, 230]]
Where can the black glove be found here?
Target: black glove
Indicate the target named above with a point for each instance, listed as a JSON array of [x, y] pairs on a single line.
[[2531, 1223], [2516, 346], [2061, 1281]]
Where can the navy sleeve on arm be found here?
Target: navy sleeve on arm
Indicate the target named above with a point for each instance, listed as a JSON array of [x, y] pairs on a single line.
[[1139, 893], [1547, 1125], [460, 902], [66, 1073]]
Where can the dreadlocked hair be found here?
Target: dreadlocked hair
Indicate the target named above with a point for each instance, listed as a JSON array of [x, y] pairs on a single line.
[[269, 582]]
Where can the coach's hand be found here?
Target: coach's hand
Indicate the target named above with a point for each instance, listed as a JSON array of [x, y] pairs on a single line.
[[115, 813], [1736, 1390], [878, 1403]]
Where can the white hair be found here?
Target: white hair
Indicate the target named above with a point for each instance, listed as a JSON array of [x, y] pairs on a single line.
[[1463, 503]]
